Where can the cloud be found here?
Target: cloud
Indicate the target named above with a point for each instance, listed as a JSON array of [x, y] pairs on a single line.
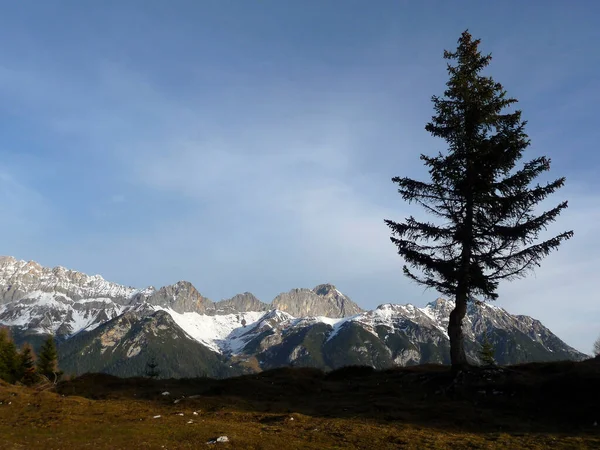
[[284, 200], [243, 182]]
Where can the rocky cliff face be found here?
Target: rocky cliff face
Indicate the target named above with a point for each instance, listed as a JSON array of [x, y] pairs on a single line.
[[181, 297], [324, 300], [240, 303], [58, 300], [19, 279]]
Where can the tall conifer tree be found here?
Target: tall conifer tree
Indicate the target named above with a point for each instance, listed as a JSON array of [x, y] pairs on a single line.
[[486, 228]]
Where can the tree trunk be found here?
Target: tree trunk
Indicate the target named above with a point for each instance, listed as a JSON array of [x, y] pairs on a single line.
[[458, 357]]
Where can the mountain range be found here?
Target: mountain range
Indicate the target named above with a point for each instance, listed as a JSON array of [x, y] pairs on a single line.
[[106, 327]]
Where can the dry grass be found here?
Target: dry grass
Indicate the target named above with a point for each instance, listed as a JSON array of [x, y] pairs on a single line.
[[306, 409]]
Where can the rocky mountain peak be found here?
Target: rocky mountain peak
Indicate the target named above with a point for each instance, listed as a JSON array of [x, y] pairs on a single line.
[[181, 297], [324, 300], [441, 304], [327, 290], [18, 279], [240, 303]]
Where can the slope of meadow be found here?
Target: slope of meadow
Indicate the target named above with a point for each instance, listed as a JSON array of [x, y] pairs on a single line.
[[529, 406]]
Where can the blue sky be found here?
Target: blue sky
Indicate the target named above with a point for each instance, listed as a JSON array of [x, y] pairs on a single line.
[[249, 146]]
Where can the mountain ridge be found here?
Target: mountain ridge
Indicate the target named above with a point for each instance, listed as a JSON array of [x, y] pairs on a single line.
[[19, 278], [319, 327]]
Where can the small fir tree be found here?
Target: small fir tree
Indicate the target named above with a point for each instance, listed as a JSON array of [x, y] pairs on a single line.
[[3, 365], [152, 368], [486, 354], [27, 370], [47, 364], [8, 357]]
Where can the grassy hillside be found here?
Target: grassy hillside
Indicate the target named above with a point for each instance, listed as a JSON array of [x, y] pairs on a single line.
[[535, 406]]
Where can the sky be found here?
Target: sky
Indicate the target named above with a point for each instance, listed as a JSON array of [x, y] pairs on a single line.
[[250, 146]]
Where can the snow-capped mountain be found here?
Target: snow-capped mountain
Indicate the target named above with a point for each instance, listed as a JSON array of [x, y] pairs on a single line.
[[103, 326], [20, 278], [64, 302], [57, 300]]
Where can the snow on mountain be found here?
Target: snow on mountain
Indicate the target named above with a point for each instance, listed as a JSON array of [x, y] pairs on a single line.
[[393, 317], [45, 312], [65, 302], [57, 300], [229, 333], [271, 322], [19, 278], [215, 332]]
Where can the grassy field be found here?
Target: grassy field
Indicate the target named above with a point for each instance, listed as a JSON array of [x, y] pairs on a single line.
[[536, 406]]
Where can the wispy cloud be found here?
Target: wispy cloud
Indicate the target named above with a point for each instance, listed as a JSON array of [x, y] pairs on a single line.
[[263, 162]]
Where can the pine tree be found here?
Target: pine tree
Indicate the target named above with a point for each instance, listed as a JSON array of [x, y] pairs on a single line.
[[486, 228], [3, 366], [486, 354], [597, 347], [47, 364], [8, 357], [27, 373], [152, 368]]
